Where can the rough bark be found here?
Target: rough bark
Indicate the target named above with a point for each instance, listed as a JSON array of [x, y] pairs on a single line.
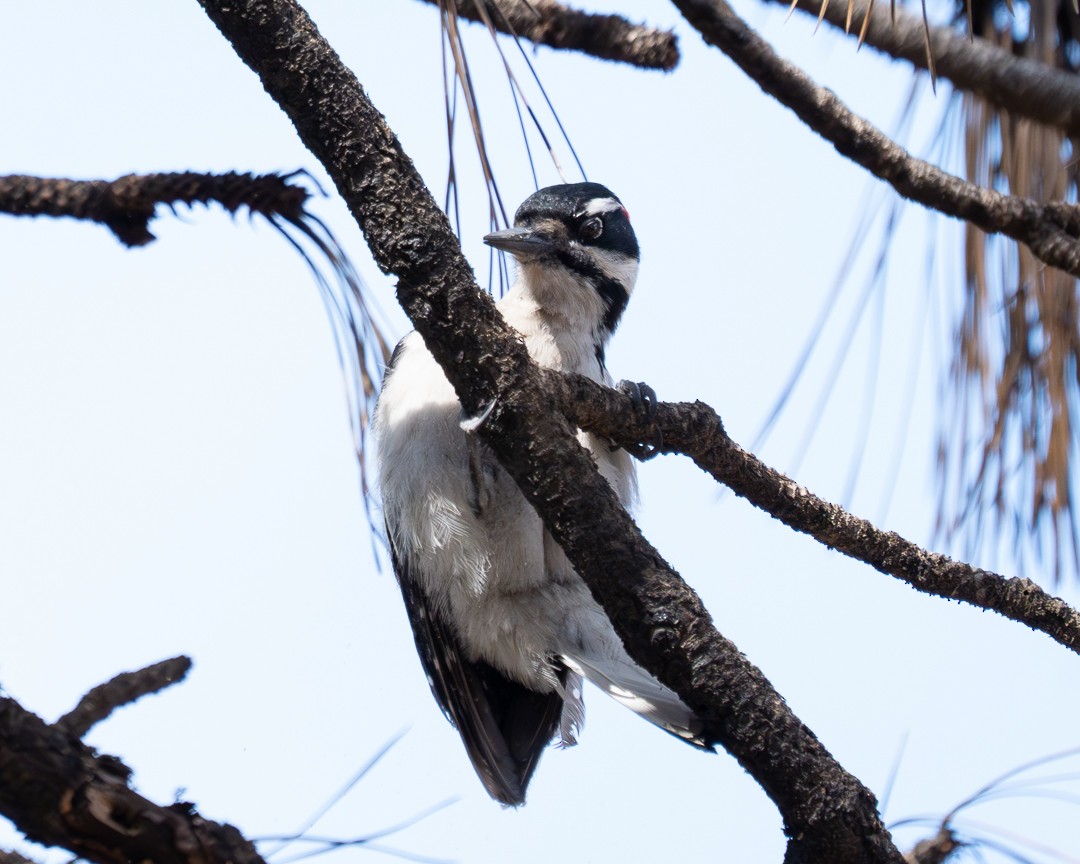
[[121, 690], [126, 205], [59, 792], [545, 22]]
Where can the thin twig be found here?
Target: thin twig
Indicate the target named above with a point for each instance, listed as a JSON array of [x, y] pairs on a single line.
[[935, 850], [1050, 230], [1020, 85], [607, 37], [125, 688], [126, 205], [695, 430], [313, 819]]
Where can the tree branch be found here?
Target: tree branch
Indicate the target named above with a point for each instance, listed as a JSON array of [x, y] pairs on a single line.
[[546, 22], [122, 690], [59, 792], [12, 857], [828, 815], [695, 430], [1019, 85], [1049, 230], [126, 205], [935, 850]]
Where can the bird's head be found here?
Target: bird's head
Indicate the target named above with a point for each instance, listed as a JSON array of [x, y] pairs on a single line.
[[576, 251]]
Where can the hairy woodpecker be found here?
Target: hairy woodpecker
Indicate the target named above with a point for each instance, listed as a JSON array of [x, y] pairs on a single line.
[[505, 629]]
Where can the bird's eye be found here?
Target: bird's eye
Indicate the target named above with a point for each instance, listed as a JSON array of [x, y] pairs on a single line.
[[591, 228]]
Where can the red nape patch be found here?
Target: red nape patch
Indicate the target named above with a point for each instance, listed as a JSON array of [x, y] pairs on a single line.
[[625, 213]]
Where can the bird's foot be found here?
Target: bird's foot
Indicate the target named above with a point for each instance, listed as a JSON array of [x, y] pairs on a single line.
[[645, 404]]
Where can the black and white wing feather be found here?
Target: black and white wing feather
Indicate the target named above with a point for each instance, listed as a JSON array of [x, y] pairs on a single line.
[[504, 725]]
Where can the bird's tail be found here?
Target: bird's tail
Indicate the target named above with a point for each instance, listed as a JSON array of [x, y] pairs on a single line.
[[627, 683]]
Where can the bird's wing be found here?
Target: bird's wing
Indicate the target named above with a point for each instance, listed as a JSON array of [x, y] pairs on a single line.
[[504, 725]]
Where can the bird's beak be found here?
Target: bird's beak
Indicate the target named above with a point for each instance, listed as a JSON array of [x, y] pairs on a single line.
[[519, 241]]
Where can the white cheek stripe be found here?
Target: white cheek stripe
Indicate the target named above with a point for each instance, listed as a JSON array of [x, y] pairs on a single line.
[[601, 205], [618, 267]]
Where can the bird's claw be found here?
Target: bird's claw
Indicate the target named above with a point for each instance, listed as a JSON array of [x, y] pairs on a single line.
[[645, 404], [643, 397], [471, 424]]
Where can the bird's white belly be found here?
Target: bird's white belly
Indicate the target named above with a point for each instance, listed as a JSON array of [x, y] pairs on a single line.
[[475, 545]]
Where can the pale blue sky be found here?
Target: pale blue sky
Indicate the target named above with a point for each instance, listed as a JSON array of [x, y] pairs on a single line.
[[176, 473]]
